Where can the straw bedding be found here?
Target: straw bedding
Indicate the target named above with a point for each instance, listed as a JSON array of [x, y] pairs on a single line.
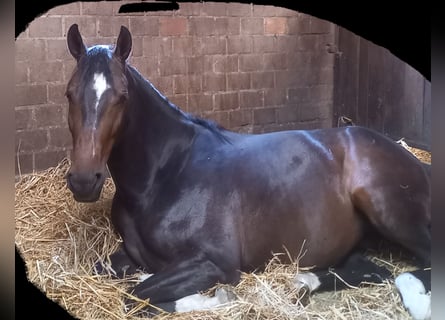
[[61, 240]]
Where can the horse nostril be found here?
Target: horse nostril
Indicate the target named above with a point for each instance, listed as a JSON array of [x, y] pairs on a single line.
[[98, 176]]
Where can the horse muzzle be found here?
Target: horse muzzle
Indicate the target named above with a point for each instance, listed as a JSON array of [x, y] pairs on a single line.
[[86, 187]]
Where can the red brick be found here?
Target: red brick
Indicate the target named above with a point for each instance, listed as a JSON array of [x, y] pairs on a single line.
[[150, 68], [238, 118], [264, 116], [46, 72], [172, 26], [299, 25], [60, 138], [68, 68], [285, 12], [66, 9], [200, 102], [275, 25], [308, 42], [213, 82], [250, 62], [224, 63], [45, 160], [24, 119], [220, 117], [202, 26], [110, 27], [239, 9], [232, 26], [275, 97], [102, 8], [287, 43], [187, 84], [27, 95], [220, 63], [56, 94], [251, 99], [46, 27], [299, 95], [323, 75], [209, 45], [87, 26], [261, 80], [287, 114], [320, 25], [144, 26], [157, 46], [30, 50], [293, 78], [238, 81], [32, 140], [21, 72], [24, 163], [164, 85], [179, 100], [50, 115], [226, 101], [264, 10], [321, 59], [136, 47], [264, 44], [147, 66], [298, 60], [214, 9], [239, 44], [182, 46], [58, 50], [252, 26], [189, 9], [321, 93], [195, 65], [314, 111], [274, 61]]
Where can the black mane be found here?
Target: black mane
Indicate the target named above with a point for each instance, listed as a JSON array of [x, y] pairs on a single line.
[[208, 124]]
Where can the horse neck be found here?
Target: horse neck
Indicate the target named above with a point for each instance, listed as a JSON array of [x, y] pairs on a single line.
[[155, 136]]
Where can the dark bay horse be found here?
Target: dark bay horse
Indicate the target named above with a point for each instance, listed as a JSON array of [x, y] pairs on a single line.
[[195, 204]]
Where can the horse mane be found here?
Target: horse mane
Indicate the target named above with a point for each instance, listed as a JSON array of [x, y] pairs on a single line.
[[208, 124]]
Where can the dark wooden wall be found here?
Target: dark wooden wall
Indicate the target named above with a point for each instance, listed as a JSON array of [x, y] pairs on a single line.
[[377, 90]]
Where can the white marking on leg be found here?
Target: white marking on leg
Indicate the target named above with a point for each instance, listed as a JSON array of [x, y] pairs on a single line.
[[198, 302], [414, 296], [308, 279], [145, 276]]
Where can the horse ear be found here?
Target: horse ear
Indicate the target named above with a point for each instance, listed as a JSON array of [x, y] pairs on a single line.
[[75, 42], [123, 44]]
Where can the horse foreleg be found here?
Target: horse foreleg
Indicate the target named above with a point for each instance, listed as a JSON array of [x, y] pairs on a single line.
[[119, 264], [176, 287], [351, 273]]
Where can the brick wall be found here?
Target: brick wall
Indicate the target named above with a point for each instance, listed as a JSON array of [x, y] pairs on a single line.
[[252, 68]]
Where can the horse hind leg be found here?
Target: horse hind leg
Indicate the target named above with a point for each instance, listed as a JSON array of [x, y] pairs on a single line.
[[398, 216]]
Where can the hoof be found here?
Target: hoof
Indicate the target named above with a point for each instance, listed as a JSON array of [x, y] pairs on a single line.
[[225, 295]]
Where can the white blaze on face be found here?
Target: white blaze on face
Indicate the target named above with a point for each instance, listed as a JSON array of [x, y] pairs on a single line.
[[99, 86]]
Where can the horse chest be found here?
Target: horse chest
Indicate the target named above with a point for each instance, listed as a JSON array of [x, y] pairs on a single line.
[[156, 235]]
